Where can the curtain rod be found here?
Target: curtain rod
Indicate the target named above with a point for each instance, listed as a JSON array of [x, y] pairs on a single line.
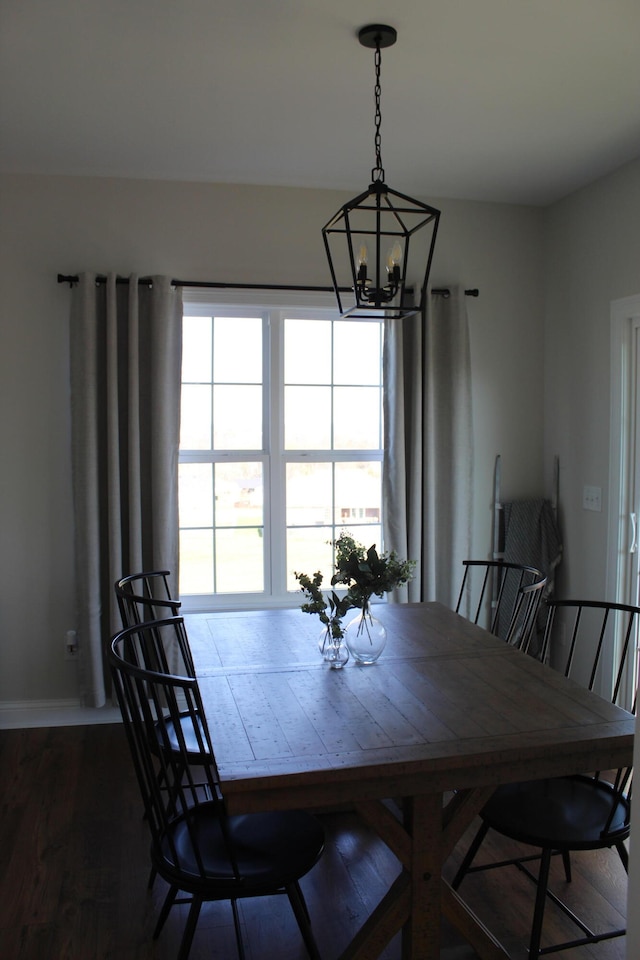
[[63, 278], [446, 293]]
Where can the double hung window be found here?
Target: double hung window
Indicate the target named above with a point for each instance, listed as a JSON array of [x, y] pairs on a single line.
[[280, 448]]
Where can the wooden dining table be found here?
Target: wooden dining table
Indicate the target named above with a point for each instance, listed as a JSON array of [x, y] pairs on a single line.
[[445, 715]]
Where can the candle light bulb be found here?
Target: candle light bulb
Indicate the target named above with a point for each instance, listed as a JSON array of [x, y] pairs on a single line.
[[394, 256], [363, 256]]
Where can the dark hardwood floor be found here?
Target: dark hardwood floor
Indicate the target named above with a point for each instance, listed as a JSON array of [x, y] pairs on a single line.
[[74, 851]]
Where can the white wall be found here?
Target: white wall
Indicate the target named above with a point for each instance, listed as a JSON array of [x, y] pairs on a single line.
[[210, 232], [592, 243], [592, 257]]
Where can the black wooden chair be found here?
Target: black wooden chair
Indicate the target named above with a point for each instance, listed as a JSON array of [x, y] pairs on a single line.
[[502, 597], [589, 811], [196, 847]]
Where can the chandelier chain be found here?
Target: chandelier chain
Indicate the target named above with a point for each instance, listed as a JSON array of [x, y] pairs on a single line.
[[378, 171]]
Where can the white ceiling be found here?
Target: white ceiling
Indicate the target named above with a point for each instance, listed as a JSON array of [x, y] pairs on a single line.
[[520, 101]]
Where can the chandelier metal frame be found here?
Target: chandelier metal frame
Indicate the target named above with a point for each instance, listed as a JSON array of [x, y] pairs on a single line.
[[368, 242]]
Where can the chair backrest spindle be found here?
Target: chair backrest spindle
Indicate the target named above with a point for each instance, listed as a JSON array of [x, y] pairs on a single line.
[[602, 644], [145, 596], [503, 597]]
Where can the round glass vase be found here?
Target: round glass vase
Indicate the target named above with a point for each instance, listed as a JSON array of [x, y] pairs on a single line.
[[366, 637], [333, 649]]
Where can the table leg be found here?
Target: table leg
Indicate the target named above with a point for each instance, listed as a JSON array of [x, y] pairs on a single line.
[[423, 821], [413, 901], [385, 921], [419, 897], [457, 815], [434, 831]]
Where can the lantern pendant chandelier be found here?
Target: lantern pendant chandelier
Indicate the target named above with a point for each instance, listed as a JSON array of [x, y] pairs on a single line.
[[368, 241]]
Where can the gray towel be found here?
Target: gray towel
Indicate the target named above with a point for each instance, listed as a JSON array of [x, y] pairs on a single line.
[[531, 536]]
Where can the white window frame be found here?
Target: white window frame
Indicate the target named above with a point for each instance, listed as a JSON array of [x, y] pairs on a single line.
[[307, 305]]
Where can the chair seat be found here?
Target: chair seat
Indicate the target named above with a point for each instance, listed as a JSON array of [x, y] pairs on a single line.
[[167, 735], [569, 813], [271, 850]]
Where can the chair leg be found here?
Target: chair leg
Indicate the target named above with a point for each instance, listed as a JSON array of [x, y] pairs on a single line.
[[566, 859], [624, 856], [303, 901], [300, 911], [169, 900], [470, 855], [541, 897], [236, 924], [190, 928]]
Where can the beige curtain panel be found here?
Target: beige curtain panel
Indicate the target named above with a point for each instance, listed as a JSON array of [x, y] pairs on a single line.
[[428, 465], [126, 354]]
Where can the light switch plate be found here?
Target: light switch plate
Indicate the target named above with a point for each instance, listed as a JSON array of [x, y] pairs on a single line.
[[592, 498]]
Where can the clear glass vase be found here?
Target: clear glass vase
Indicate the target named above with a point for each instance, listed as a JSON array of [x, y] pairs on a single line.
[[366, 637], [333, 649]]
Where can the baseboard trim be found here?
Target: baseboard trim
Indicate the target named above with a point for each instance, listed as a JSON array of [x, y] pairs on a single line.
[[18, 714]]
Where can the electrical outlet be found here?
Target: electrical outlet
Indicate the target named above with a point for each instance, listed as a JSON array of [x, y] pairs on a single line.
[[71, 645], [592, 498]]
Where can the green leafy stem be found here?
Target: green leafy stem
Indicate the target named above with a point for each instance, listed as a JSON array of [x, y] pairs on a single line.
[[365, 573]]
